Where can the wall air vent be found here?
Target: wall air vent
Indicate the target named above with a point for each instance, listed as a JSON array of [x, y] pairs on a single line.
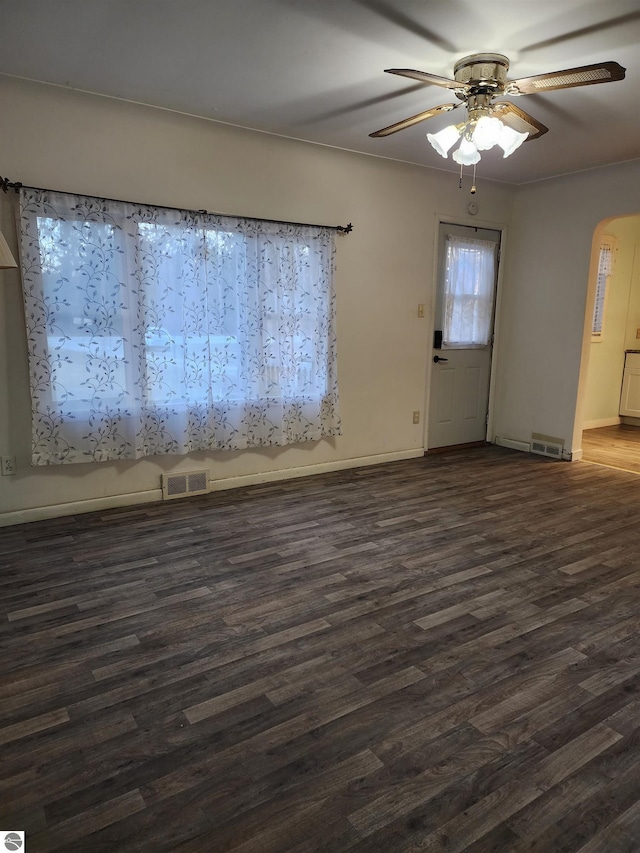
[[547, 445], [183, 485]]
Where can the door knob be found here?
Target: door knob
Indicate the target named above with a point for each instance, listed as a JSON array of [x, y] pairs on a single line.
[[438, 358]]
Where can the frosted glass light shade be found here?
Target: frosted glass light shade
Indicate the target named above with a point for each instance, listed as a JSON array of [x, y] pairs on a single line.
[[510, 139], [467, 153], [7, 261], [487, 133], [444, 139]]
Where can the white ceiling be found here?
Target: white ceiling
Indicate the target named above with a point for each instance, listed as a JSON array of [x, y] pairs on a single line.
[[313, 69]]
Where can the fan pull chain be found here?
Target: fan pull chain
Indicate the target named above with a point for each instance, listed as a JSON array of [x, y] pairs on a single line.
[[460, 183], [473, 182]]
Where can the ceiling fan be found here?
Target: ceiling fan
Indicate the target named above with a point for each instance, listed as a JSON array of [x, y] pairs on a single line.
[[479, 80]]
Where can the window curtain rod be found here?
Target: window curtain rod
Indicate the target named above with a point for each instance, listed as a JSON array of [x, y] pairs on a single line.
[[6, 184]]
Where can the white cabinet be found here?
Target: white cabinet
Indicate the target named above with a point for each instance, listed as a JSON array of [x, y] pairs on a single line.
[[630, 397]]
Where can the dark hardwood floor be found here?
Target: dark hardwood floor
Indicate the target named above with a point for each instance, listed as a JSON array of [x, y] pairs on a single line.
[[440, 654], [615, 446]]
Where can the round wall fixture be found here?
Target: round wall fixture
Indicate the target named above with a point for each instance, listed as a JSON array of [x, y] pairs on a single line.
[[473, 208]]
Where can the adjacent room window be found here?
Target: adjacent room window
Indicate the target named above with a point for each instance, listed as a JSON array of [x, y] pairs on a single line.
[[156, 331], [470, 270], [605, 268]]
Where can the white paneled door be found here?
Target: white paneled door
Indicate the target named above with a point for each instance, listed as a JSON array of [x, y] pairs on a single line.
[[464, 315]]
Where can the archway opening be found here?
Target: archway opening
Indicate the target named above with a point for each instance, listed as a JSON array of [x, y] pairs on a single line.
[[610, 373]]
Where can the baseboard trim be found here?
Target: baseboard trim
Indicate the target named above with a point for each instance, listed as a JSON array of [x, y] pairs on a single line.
[[40, 513], [601, 422], [513, 444], [309, 470]]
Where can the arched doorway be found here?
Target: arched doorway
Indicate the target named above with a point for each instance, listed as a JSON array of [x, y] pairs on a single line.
[[611, 432]]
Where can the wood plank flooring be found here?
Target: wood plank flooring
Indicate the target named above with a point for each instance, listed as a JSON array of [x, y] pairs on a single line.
[[616, 446], [441, 654]]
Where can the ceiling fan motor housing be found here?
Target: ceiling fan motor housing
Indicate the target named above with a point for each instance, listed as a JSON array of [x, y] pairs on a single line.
[[482, 76], [482, 71]]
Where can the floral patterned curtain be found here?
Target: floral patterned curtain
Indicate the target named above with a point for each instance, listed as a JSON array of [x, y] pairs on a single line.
[[605, 268], [157, 331], [468, 291]]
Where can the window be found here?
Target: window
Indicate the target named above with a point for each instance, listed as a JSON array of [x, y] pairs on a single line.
[[160, 331], [605, 268], [470, 269]]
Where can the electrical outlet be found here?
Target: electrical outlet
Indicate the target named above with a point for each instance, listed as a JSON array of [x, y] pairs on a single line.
[[416, 417], [8, 465]]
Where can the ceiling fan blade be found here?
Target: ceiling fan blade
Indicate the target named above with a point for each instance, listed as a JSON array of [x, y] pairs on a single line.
[[517, 119], [409, 122], [585, 75], [425, 77]]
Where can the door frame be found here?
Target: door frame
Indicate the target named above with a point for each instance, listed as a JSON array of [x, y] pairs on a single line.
[[469, 222]]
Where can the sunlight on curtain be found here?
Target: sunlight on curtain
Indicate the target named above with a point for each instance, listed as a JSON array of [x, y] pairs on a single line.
[[468, 291], [156, 331]]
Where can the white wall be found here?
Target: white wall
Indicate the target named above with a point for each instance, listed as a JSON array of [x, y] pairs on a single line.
[[621, 319], [544, 302], [58, 139]]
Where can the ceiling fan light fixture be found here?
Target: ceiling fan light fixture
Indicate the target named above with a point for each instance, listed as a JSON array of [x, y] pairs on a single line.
[[467, 154], [487, 133], [478, 80], [510, 139], [443, 140]]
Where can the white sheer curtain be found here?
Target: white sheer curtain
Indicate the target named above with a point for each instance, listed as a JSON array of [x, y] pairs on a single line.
[[605, 268], [156, 331], [468, 291]]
